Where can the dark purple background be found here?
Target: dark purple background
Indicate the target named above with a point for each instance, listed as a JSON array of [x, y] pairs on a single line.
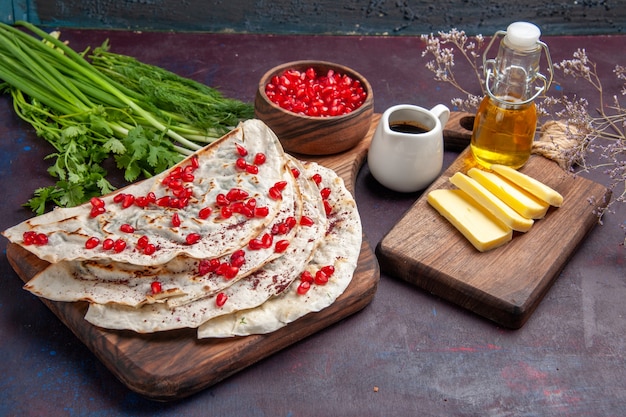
[[425, 356]]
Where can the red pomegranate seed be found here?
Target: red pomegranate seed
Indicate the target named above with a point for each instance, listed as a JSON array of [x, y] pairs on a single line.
[[280, 185], [255, 244], [236, 194], [238, 262], [241, 150], [251, 203], [155, 287], [175, 202], [204, 213], [149, 249], [295, 172], [163, 201], [96, 211], [175, 173], [194, 163], [119, 245], [267, 240], [175, 184], [221, 269], [192, 238], [183, 202], [321, 278], [96, 202], [128, 201], [220, 299], [280, 229], [246, 211], [226, 212], [238, 254], [252, 169], [142, 242], [127, 228], [327, 207], [41, 239], [141, 201], [325, 193], [119, 198], [275, 193], [317, 178], [151, 197], [306, 276], [92, 242], [221, 200], [241, 164], [259, 159], [306, 221], [230, 271], [304, 287], [188, 177], [29, 238], [108, 244], [205, 266], [281, 246], [175, 220], [261, 211], [329, 270], [291, 222]]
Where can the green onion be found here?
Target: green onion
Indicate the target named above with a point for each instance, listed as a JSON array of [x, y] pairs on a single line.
[[92, 107]]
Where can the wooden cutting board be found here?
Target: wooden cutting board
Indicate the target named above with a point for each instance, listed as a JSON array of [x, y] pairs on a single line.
[[175, 364], [505, 284]]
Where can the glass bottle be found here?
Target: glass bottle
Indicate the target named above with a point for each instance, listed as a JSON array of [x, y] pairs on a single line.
[[506, 120]]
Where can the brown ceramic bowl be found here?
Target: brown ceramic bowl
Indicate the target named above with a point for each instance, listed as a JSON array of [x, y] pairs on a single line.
[[309, 135]]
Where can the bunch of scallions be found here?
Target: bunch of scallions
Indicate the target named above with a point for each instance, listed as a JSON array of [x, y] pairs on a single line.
[[102, 105]]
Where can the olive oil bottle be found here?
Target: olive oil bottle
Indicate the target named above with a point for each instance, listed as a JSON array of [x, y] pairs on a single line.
[[506, 120]]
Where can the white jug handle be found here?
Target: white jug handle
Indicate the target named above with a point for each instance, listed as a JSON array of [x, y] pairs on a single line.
[[442, 113]]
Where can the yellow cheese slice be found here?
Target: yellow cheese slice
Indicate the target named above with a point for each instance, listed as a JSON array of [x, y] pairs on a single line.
[[483, 230], [518, 199], [493, 204], [530, 184]]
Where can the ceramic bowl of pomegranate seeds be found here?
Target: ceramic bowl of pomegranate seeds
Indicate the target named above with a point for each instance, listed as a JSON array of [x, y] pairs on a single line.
[[315, 107]]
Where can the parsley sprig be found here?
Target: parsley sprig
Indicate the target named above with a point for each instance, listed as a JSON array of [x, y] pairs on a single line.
[[102, 105]]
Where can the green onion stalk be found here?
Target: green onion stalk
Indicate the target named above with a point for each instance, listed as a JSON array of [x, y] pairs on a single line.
[[92, 107]]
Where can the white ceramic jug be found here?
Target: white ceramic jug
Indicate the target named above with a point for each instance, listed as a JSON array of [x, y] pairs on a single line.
[[406, 153]]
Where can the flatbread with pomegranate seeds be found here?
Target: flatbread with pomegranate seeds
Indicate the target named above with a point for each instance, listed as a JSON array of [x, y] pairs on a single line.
[[249, 292], [264, 257], [182, 279], [214, 171], [340, 248], [268, 299]]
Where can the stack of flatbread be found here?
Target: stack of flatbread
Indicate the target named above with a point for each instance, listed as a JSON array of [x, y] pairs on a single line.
[[239, 238]]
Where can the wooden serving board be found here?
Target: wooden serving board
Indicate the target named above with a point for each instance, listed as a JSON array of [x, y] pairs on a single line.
[[175, 364], [507, 283]]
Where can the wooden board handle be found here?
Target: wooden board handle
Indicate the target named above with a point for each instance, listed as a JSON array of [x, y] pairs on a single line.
[[457, 133]]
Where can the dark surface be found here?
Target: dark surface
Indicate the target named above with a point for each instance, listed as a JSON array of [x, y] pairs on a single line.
[[373, 17], [407, 353]]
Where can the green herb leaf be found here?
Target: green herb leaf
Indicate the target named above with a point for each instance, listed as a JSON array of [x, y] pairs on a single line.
[[147, 118]]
